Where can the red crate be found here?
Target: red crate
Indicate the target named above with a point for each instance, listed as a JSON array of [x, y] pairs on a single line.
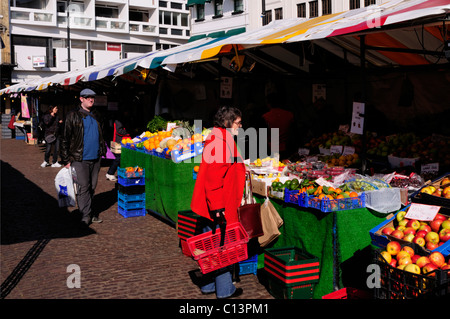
[[348, 293], [206, 249]]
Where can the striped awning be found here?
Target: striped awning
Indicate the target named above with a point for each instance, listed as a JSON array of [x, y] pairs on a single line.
[[397, 24]]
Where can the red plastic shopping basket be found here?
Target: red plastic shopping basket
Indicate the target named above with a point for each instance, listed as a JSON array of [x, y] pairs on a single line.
[[206, 249]]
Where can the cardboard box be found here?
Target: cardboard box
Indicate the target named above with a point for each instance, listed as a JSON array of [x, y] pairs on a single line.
[[259, 187]]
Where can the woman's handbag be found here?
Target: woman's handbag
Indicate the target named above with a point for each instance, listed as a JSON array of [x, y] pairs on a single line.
[[50, 138], [250, 212], [11, 123]]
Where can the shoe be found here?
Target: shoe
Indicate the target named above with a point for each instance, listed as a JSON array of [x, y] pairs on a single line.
[[111, 177], [56, 164], [236, 293], [45, 164], [96, 220]]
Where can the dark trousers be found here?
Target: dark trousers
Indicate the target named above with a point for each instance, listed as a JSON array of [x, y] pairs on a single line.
[[86, 181], [48, 150], [116, 162]]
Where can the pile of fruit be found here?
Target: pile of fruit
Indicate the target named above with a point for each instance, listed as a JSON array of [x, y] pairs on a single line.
[[341, 160], [404, 258], [440, 190], [268, 161], [429, 235]]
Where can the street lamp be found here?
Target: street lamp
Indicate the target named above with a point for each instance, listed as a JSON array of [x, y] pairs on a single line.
[[68, 35]]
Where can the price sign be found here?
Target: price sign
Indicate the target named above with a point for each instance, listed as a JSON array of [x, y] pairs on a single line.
[[430, 168], [422, 212], [336, 149], [303, 151], [348, 150]]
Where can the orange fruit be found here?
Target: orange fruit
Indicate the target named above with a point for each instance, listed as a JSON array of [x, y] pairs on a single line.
[[196, 168], [353, 194]]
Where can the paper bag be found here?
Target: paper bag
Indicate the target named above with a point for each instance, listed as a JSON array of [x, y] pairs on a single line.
[[271, 222]]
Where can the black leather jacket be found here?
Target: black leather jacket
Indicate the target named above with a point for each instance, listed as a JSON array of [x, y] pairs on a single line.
[[72, 142]]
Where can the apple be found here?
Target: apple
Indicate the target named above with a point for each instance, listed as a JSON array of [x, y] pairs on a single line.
[[409, 250], [413, 223], [409, 237], [401, 267], [404, 261], [421, 233], [445, 267], [397, 234], [393, 262], [400, 215], [436, 224], [386, 256], [440, 217], [403, 222], [415, 258], [429, 268], [387, 230], [422, 261], [432, 237], [437, 192], [431, 246], [409, 230], [419, 241], [437, 259], [412, 268], [393, 248], [446, 224], [444, 234], [401, 228], [425, 227], [401, 254]]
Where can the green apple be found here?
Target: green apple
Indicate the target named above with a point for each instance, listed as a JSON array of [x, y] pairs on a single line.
[[400, 215]]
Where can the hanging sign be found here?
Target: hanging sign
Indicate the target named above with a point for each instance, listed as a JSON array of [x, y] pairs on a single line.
[[357, 118]]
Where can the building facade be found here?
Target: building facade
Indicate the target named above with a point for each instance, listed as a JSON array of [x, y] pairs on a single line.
[[55, 36]]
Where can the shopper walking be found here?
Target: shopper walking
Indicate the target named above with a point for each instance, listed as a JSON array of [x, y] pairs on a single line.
[[82, 148], [52, 124], [219, 188]]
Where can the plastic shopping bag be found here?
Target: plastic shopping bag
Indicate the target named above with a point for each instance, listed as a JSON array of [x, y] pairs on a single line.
[[64, 188]]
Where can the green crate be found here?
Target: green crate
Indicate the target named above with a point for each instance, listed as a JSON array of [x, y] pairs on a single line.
[[280, 291], [291, 265]]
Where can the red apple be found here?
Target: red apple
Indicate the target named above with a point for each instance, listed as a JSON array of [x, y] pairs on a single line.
[[446, 224], [401, 228], [401, 254], [419, 241], [445, 267], [404, 261], [409, 230], [397, 234], [429, 268], [425, 227], [432, 237], [387, 230], [421, 233], [431, 246], [444, 234], [412, 268], [437, 259], [436, 225], [415, 224], [440, 217], [409, 250], [415, 258], [393, 248], [393, 262], [422, 261]]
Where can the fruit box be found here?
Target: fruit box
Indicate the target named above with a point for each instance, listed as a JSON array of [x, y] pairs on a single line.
[[424, 198], [381, 240], [399, 284], [280, 291], [332, 205], [291, 266]]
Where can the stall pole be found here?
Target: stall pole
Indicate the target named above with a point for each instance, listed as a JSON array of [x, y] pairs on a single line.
[[362, 41]]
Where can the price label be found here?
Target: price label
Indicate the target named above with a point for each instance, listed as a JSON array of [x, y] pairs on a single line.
[[430, 168], [348, 150], [303, 151], [336, 149], [422, 212]]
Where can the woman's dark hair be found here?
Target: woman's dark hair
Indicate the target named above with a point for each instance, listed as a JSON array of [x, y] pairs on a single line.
[[226, 115]]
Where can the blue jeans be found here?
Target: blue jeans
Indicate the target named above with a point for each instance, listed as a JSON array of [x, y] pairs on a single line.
[[219, 281]]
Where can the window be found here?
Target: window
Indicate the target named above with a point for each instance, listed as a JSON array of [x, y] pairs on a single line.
[[279, 14], [369, 2], [218, 8], [200, 12], [106, 12], [30, 4], [354, 4], [238, 5], [301, 10], [267, 18], [98, 46], [326, 7], [313, 9], [175, 5], [137, 15], [163, 4], [78, 44]]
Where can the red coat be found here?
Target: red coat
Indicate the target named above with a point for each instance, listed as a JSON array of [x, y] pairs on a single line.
[[220, 180]]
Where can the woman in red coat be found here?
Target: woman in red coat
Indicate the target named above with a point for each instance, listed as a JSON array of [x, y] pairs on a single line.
[[219, 188]]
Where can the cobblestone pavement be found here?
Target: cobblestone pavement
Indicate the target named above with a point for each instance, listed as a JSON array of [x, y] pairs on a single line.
[[121, 258]]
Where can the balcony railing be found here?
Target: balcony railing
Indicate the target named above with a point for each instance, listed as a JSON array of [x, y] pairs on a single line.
[[110, 24], [142, 27], [31, 15], [76, 20]]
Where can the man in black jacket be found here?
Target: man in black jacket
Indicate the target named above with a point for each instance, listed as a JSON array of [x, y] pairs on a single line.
[[82, 148]]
